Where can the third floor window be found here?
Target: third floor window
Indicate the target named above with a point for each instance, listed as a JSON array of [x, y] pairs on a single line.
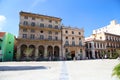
[[50, 26], [25, 23], [33, 24], [41, 25]]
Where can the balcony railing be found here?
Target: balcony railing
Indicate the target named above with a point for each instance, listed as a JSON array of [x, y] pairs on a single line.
[[70, 45]]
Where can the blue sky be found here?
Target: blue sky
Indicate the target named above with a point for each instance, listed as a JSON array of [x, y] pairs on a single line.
[[87, 14]]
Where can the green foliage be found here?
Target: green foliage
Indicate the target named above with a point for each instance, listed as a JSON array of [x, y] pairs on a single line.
[[116, 71], [68, 56]]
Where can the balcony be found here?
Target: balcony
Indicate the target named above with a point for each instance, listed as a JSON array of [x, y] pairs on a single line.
[[70, 45], [39, 28]]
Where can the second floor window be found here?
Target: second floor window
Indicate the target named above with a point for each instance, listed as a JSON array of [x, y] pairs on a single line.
[[41, 37], [73, 43], [56, 27], [32, 36], [72, 32], [33, 24], [49, 37], [50, 26], [66, 43], [25, 23], [56, 38], [24, 36], [41, 25]]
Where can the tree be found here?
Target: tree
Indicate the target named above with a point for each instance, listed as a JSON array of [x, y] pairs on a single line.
[[118, 51], [116, 71], [28, 52]]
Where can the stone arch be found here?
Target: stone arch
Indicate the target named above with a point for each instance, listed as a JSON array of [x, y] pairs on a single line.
[[50, 51], [22, 50], [56, 51], [33, 51], [41, 51]]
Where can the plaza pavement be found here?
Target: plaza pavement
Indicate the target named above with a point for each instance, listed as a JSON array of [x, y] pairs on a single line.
[[58, 70]]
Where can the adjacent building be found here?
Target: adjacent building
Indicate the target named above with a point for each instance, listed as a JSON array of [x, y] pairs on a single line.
[[102, 41], [73, 42]]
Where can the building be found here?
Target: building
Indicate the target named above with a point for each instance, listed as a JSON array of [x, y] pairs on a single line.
[[45, 36], [113, 28], [6, 46], [102, 43], [73, 42], [42, 33]]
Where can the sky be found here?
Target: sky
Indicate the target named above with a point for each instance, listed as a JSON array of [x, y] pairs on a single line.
[[86, 14]]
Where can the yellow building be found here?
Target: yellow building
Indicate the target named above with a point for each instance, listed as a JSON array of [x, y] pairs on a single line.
[[42, 33], [73, 42], [102, 43]]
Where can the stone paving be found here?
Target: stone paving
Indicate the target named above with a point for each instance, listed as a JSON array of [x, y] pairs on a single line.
[[58, 70]]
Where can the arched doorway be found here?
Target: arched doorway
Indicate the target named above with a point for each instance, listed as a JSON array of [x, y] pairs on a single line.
[[56, 52], [41, 52], [22, 50], [50, 52], [33, 51]]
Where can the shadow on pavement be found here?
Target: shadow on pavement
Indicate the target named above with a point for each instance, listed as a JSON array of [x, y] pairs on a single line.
[[18, 68]]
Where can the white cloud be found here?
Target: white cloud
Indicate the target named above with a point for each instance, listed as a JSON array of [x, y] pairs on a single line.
[[2, 21]]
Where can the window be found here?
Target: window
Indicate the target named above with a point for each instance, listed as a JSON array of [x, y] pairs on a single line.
[[50, 26], [25, 17], [79, 38], [56, 33], [79, 33], [49, 37], [80, 43], [73, 43], [66, 43], [25, 23], [66, 50], [41, 25], [56, 27], [41, 31], [32, 30], [56, 38], [80, 50], [33, 24], [32, 36], [33, 18], [72, 38], [56, 22], [49, 32], [66, 37], [50, 21], [41, 37], [66, 31], [72, 32], [24, 36], [24, 30]]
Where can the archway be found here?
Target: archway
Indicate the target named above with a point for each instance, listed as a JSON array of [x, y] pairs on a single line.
[[33, 51], [41, 51], [56, 52], [50, 52], [22, 50]]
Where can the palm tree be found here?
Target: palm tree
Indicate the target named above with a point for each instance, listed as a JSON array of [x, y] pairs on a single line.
[[28, 52], [116, 71]]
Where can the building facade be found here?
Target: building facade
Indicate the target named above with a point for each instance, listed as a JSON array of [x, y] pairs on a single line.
[[41, 33], [73, 42], [102, 43], [45, 36]]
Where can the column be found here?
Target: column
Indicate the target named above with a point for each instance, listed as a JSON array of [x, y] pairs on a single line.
[[36, 52], [18, 54], [60, 54], [45, 52]]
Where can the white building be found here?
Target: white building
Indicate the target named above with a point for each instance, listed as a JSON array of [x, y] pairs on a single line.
[[112, 28]]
